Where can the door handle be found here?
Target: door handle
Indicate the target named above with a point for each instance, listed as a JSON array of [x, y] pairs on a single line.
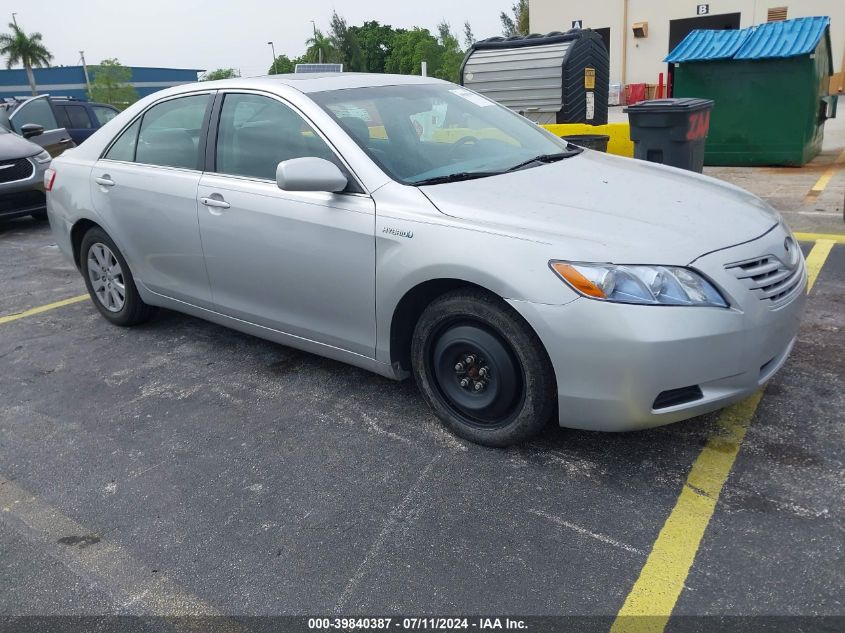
[[217, 203], [104, 181], [65, 141]]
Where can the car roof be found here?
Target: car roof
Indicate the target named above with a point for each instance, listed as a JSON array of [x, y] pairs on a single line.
[[317, 82]]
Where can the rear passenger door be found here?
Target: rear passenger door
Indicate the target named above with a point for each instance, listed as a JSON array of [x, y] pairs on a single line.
[[145, 187], [77, 120], [299, 262]]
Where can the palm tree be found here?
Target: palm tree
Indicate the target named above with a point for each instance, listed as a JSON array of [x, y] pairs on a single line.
[[20, 48], [320, 48]]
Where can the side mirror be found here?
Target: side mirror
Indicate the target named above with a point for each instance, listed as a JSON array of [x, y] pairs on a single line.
[[310, 174], [28, 130]]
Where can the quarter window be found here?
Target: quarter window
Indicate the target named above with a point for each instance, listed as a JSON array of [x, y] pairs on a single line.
[[103, 115], [256, 133], [124, 147], [170, 133]]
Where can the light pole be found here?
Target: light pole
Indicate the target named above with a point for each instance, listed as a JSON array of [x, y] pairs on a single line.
[[14, 19], [273, 48], [319, 50]]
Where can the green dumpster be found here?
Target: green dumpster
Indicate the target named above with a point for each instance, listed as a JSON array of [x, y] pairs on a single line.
[[770, 84]]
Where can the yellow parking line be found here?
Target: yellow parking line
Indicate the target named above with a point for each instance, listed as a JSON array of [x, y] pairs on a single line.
[[50, 306], [812, 237], [653, 596], [825, 178], [652, 599], [816, 259]]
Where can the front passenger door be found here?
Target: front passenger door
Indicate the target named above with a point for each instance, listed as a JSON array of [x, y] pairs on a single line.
[[55, 139], [299, 262]]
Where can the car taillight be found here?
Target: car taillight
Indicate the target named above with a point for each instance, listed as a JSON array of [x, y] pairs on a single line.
[[49, 179]]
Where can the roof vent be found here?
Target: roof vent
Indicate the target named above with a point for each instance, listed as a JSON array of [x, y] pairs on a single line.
[[776, 14]]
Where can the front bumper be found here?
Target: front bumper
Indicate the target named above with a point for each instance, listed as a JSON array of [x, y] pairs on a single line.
[[612, 360]]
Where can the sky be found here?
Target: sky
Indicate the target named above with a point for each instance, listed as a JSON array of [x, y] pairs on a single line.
[[221, 33]]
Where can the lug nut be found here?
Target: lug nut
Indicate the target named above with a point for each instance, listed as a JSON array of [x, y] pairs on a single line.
[[465, 383], [469, 360], [483, 372], [479, 386], [459, 367]]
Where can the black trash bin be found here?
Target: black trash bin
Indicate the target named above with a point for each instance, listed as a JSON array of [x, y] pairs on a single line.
[[671, 131], [590, 141]]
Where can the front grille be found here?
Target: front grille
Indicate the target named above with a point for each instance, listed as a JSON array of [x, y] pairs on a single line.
[[18, 169], [768, 277]]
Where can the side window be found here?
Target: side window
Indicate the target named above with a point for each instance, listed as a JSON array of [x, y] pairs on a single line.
[[124, 146], [37, 111], [103, 115], [61, 116], [256, 133], [170, 133], [78, 117]]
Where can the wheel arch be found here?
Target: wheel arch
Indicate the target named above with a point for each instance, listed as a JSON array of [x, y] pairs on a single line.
[[411, 306], [77, 232]]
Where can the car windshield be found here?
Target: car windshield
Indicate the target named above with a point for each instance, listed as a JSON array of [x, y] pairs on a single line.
[[433, 133]]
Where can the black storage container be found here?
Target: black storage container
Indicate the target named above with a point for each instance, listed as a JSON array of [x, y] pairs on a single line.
[[671, 131], [597, 142], [554, 78]]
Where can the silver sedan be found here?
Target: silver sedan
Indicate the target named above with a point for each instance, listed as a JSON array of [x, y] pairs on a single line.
[[410, 226]]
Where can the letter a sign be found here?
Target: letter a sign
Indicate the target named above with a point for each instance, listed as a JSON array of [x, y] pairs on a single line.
[[577, 24]]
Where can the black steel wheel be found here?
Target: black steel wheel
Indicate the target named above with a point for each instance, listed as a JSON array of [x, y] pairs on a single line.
[[476, 373], [482, 369]]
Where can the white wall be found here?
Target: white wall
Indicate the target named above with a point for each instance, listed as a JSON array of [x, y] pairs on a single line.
[[644, 56]]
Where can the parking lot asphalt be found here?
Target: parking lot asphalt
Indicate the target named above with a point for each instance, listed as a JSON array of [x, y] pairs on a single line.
[[181, 468]]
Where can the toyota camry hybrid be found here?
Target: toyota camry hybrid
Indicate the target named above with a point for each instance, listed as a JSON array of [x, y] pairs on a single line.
[[407, 225]]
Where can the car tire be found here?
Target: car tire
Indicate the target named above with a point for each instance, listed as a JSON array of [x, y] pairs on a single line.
[[470, 337], [109, 281]]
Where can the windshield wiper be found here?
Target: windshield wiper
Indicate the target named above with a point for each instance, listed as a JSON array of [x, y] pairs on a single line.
[[546, 158], [461, 175]]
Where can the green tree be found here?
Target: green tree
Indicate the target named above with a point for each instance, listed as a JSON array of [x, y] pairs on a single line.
[[220, 73], [451, 54], [518, 23], [410, 49], [469, 36], [346, 43], [376, 43], [321, 49], [26, 49], [111, 84], [283, 65]]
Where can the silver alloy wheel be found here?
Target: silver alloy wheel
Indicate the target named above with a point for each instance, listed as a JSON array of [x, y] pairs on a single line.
[[106, 277]]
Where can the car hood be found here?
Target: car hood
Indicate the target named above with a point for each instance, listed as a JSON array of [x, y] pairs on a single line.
[[13, 146], [598, 207]]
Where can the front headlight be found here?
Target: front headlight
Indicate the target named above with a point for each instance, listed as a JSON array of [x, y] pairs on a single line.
[[43, 157], [649, 285]]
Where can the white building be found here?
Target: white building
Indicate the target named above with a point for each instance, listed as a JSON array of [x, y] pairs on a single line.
[[640, 33]]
